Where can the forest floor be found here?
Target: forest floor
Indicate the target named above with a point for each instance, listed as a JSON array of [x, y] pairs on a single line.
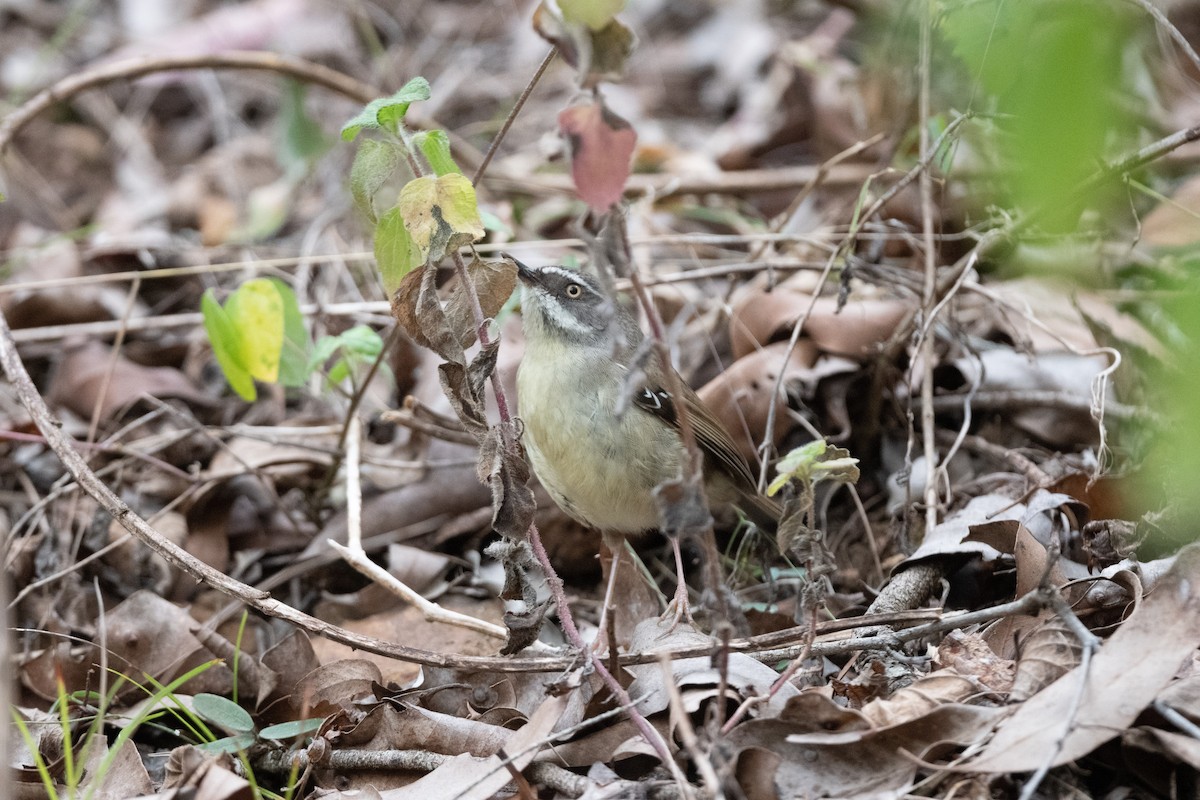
[[948, 249]]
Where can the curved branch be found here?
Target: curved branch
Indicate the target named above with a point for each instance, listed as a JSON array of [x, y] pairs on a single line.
[[128, 69]]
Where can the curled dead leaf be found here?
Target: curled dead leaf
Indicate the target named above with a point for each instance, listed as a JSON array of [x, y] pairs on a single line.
[[741, 397], [855, 330]]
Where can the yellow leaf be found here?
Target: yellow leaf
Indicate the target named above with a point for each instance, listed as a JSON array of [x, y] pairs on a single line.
[[441, 214], [256, 310]]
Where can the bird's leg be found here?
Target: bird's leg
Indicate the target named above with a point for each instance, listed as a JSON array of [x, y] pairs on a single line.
[[607, 632], [679, 608]]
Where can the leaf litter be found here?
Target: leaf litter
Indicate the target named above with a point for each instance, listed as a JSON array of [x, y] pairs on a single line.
[[1056, 628]]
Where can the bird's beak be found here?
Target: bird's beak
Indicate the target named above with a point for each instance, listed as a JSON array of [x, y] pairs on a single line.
[[528, 275]]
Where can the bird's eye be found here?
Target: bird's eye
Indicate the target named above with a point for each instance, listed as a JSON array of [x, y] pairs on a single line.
[[574, 290]]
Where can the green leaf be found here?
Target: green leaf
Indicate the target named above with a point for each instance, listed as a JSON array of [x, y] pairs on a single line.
[[435, 145], [293, 358], [1056, 71], [441, 214], [256, 310], [358, 345], [230, 744], [289, 730], [362, 341], [593, 13], [813, 462], [493, 223], [325, 348], [395, 251], [226, 343], [303, 140], [222, 712], [387, 112], [374, 163]]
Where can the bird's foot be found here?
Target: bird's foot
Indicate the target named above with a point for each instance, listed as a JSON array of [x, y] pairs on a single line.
[[679, 609]]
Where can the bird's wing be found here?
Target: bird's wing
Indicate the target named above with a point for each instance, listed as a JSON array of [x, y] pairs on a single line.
[[711, 436]]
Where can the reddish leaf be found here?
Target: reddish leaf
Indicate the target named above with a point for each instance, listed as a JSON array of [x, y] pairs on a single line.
[[601, 145]]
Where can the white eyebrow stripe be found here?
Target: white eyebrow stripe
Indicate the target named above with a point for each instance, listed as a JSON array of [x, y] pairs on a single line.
[[569, 274]]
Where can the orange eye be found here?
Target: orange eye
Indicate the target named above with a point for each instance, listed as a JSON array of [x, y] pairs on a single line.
[[574, 290]]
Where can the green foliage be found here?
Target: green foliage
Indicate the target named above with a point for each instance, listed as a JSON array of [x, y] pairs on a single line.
[[435, 146], [396, 253], [258, 334], [229, 717], [1053, 72], [387, 113], [812, 463], [359, 346], [290, 730], [237, 722], [433, 214], [1173, 464], [302, 141], [374, 163], [74, 776], [441, 214], [596, 14]]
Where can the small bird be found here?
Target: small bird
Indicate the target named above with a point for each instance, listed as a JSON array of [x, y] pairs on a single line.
[[600, 442]]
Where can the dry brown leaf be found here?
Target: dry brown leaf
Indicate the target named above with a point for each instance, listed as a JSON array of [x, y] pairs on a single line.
[[472, 778], [297, 27], [147, 634], [1045, 314], [969, 654], [697, 678], [1176, 747], [854, 331], [1007, 371], [637, 600], [126, 775], [813, 710], [1184, 695], [494, 282], [291, 659], [135, 564], [85, 372], [400, 726], [607, 743], [336, 685], [418, 308], [926, 694], [601, 147], [264, 450], [870, 763], [741, 397], [210, 776], [1047, 653], [1173, 222], [51, 258], [408, 624], [1134, 665], [415, 567]]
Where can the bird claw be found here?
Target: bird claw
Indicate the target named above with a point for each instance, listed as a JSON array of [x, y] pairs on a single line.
[[679, 609]]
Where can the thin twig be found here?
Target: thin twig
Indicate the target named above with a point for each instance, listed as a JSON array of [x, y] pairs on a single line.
[[929, 299], [132, 68], [1161, 18], [660, 185], [512, 116]]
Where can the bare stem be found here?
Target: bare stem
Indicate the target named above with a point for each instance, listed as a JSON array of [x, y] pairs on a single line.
[[138, 67], [512, 115]]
